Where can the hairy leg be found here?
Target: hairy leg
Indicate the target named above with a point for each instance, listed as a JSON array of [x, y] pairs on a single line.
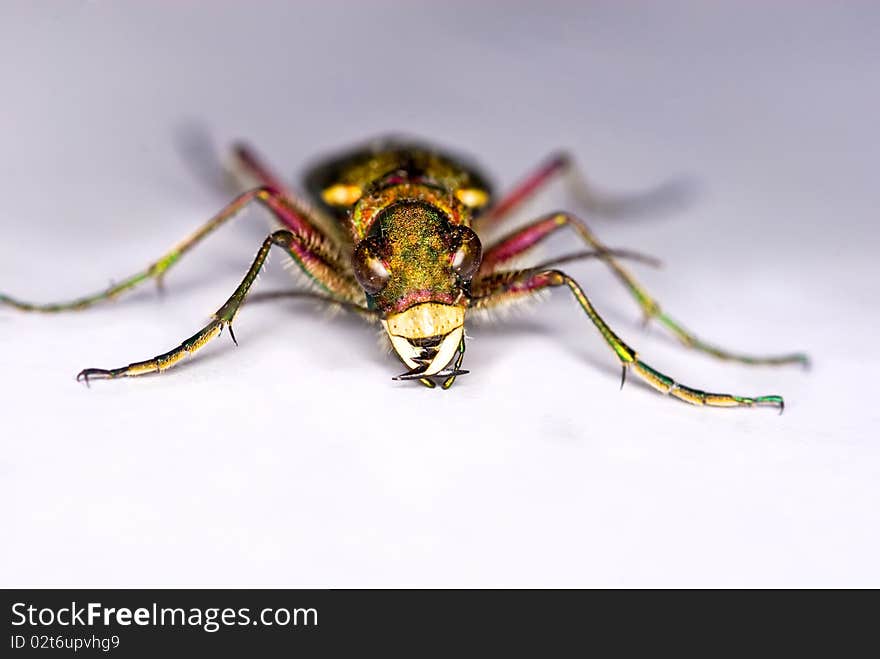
[[278, 204], [521, 241], [300, 248], [255, 170], [499, 287], [251, 170]]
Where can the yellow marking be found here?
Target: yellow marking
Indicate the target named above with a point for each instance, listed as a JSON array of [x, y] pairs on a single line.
[[472, 197], [687, 396], [172, 359], [721, 400], [342, 194], [201, 341], [652, 379], [141, 368], [425, 320]]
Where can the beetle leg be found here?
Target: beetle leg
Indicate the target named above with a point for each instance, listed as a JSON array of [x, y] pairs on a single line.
[[298, 247], [250, 170], [497, 288], [255, 171], [662, 196], [281, 207], [519, 242]]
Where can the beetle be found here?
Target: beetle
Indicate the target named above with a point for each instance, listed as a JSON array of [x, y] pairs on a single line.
[[392, 229]]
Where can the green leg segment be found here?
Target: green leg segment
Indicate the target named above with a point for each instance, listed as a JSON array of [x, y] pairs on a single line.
[[278, 204], [499, 287], [520, 241], [296, 246]]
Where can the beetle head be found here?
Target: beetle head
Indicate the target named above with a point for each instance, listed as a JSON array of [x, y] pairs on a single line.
[[416, 267]]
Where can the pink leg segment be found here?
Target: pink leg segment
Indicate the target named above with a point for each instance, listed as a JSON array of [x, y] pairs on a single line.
[[257, 168], [526, 188], [520, 241]]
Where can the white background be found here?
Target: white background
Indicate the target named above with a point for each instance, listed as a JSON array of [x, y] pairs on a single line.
[[294, 459]]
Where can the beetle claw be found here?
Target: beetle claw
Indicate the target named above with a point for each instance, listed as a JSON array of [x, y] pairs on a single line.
[[87, 374]]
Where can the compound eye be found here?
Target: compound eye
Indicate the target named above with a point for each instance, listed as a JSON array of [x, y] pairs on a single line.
[[466, 259], [369, 269]]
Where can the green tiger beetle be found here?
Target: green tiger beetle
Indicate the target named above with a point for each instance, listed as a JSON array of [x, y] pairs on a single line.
[[392, 230]]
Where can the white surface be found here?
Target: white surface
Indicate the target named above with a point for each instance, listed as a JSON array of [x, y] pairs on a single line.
[[294, 459]]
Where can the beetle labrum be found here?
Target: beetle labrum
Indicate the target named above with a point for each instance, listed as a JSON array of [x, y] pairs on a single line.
[[393, 232]]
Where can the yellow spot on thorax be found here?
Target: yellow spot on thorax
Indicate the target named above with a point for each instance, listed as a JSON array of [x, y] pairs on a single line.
[[342, 194], [472, 197]]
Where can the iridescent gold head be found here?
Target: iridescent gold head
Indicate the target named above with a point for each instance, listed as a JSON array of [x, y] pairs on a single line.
[[416, 266]]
